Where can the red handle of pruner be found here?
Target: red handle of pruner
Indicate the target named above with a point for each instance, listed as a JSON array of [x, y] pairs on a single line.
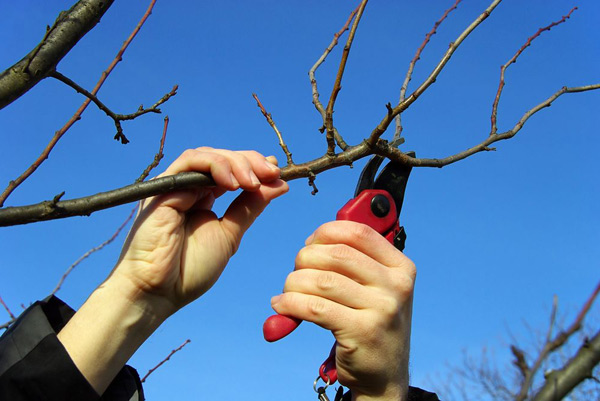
[[278, 326], [360, 209]]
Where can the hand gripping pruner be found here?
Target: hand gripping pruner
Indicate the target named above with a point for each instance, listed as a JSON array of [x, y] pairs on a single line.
[[377, 203]]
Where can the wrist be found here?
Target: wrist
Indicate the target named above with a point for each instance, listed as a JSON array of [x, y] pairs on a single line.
[[154, 306]]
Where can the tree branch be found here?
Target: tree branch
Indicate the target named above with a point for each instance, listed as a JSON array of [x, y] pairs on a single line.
[[385, 122], [313, 80], [166, 359], [282, 144], [560, 383], [91, 251], [337, 86], [503, 68], [485, 145], [69, 28], [117, 118], [412, 64], [13, 184], [158, 157]]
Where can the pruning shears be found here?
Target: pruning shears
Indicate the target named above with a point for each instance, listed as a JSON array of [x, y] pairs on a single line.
[[377, 203]]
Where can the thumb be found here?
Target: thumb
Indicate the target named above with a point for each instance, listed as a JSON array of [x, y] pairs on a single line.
[[247, 207]]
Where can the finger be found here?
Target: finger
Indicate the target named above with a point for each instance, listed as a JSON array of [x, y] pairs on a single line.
[[250, 168], [332, 286], [345, 260], [247, 207], [217, 165], [273, 160], [265, 168], [321, 311], [362, 238]]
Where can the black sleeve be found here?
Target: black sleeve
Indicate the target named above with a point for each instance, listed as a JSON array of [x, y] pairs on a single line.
[[34, 365], [414, 394]]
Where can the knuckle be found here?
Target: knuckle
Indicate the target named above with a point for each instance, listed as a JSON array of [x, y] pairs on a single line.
[[410, 269], [302, 257], [205, 149], [253, 154], [316, 307], [290, 280], [402, 284], [390, 307], [340, 252], [188, 153], [362, 232], [326, 281]]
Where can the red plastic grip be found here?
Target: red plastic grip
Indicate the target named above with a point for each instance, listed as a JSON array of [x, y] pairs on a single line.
[[278, 326]]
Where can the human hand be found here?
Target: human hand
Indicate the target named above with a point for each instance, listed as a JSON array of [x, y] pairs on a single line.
[[352, 281], [178, 247]]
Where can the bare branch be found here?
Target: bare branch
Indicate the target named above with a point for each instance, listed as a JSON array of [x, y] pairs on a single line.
[[560, 383], [69, 28], [503, 68], [313, 80], [337, 86], [93, 250], [166, 359], [58, 134], [284, 147], [412, 64], [158, 157], [7, 309], [117, 118]]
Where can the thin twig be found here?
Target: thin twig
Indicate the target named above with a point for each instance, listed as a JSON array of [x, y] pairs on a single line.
[[313, 80], [158, 157], [412, 64], [58, 134], [91, 251], [166, 359], [117, 118], [12, 316], [552, 318], [337, 86], [494, 116], [284, 147]]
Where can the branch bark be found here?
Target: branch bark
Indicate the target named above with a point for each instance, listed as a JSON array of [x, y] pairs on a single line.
[[560, 383], [69, 28]]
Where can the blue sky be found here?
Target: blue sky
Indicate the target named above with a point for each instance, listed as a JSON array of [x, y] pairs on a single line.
[[494, 237]]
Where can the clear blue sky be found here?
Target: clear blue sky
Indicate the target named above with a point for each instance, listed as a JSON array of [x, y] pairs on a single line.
[[494, 237]]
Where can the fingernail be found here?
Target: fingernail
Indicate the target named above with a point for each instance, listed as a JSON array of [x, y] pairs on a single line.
[[254, 178], [271, 166], [234, 181], [275, 300]]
